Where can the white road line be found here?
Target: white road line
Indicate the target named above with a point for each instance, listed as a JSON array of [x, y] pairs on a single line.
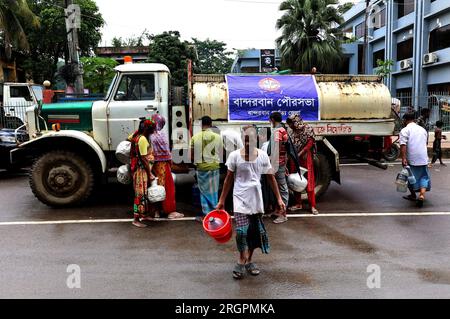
[[390, 164], [327, 215]]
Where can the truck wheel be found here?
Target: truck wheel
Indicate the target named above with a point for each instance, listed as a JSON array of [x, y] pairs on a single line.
[[61, 178], [392, 153], [322, 174]]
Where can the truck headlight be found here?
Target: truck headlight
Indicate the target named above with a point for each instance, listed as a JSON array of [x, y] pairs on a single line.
[[7, 139]]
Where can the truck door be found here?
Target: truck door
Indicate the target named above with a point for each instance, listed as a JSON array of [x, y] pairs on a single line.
[[135, 97], [16, 99]]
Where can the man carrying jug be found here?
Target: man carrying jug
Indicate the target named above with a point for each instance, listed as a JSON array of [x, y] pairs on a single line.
[[413, 150]]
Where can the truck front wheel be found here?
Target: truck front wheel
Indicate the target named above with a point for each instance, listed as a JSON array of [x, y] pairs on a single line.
[[322, 174], [61, 178]]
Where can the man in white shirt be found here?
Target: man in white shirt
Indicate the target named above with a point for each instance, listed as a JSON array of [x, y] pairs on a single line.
[[245, 167], [413, 148]]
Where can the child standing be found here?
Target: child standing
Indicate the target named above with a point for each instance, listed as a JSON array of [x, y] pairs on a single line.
[[437, 149]]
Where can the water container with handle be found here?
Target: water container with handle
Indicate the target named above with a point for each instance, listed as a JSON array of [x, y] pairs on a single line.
[[411, 177], [402, 181], [156, 193]]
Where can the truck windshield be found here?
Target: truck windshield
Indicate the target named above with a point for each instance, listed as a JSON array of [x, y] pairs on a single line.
[[38, 92], [110, 87]]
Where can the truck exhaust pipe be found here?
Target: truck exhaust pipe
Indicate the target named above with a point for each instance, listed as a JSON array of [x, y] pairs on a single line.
[[373, 162]]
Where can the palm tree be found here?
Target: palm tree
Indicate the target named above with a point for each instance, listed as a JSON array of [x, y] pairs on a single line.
[[12, 12], [309, 35]]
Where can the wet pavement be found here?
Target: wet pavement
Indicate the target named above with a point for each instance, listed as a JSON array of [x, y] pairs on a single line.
[[311, 257]]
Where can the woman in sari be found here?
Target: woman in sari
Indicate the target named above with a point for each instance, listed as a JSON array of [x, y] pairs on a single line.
[[304, 140], [162, 167], [141, 156]]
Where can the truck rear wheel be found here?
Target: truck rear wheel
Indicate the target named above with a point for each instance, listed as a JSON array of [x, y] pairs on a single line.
[[61, 178], [322, 174]]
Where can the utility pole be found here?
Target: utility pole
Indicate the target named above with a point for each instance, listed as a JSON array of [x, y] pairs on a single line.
[[366, 38], [73, 23]]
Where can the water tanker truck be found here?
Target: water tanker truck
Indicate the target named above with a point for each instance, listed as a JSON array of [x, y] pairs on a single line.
[[72, 145]]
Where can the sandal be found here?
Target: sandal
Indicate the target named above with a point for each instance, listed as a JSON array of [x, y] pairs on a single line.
[[238, 271], [410, 197], [314, 211], [280, 219], [252, 269], [139, 224], [175, 215], [295, 208], [419, 202]]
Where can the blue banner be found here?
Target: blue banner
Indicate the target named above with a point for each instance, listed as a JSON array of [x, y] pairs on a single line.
[[254, 97]]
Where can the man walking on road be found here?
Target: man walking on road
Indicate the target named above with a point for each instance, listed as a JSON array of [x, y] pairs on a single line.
[[206, 147], [278, 157], [245, 167], [413, 147]]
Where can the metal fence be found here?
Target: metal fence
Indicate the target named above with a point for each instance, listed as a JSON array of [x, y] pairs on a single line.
[[436, 102]]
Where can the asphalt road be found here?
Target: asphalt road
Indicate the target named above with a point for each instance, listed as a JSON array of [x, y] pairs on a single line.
[[363, 223]]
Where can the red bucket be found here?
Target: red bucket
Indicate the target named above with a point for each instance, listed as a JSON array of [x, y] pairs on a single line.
[[222, 234]]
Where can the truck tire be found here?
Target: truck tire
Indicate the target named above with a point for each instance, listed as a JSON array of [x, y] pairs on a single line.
[[61, 178], [322, 174], [392, 153]]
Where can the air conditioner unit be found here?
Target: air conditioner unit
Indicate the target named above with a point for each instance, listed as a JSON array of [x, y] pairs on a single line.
[[405, 64], [430, 58]]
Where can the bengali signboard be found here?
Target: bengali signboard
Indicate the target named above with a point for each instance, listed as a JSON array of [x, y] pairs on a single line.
[[254, 97], [267, 60]]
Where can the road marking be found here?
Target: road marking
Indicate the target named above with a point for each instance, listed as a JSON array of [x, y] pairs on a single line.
[[110, 221], [390, 164]]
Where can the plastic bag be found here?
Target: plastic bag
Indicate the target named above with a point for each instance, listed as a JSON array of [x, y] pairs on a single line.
[[156, 193], [123, 152]]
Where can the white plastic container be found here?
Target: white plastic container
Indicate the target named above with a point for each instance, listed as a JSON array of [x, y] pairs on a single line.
[[156, 193], [123, 152], [124, 174]]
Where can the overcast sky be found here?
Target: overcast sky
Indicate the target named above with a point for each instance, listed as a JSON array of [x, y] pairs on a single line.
[[241, 24]]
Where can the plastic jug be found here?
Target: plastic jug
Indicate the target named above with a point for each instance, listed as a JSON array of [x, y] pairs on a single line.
[[411, 177], [402, 181], [215, 223]]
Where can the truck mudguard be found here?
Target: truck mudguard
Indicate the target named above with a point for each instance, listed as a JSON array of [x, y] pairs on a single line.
[[80, 136]]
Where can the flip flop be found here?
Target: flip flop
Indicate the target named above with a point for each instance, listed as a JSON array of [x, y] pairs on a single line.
[[409, 197], [252, 269], [419, 202], [175, 215], [238, 271]]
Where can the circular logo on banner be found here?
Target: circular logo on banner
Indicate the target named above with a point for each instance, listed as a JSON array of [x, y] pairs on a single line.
[[269, 84]]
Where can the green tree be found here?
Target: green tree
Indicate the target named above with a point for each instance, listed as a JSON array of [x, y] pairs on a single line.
[[343, 8], [98, 73], [12, 15], [213, 58], [167, 48], [309, 37], [384, 68], [48, 43]]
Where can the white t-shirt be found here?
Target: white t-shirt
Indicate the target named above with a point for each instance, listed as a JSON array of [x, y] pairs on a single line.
[[415, 137], [247, 194]]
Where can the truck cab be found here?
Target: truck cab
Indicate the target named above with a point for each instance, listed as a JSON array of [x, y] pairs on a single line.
[[15, 98]]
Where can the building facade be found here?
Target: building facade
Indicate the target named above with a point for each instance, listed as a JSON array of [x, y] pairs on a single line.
[[249, 61], [414, 34]]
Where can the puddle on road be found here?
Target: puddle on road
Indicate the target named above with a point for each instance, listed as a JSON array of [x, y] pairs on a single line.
[[339, 238], [435, 276]]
